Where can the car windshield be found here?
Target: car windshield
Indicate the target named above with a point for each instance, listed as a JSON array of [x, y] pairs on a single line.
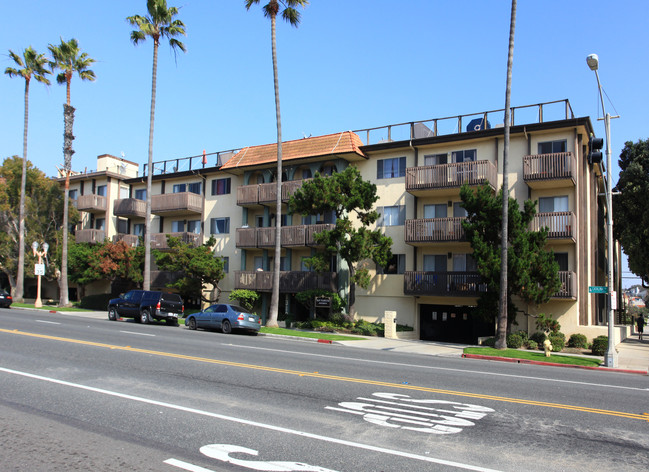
[[239, 309]]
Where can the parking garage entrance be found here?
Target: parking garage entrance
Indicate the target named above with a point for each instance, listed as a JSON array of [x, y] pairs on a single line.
[[453, 324]]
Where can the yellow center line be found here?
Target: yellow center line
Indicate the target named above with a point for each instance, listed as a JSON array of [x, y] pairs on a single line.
[[317, 375]]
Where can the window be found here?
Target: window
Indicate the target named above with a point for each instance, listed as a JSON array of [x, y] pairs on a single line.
[[177, 226], [327, 170], [458, 210], [100, 223], [259, 221], [435, 159], [179, 188], [434, 263], [220, 225], [194, 226], [259, 263], [392, 215], [550, 147], [74, 194], [195, 187], [284, 264], [464, 263], [122, 226], [221, 186], [303, 264], [437, 210], [396, 265], [140, 194], [101, 190], [468, 155], [553, 204], [123, 192], [306, 173], [138, 229], [284, 219], [562, 260], [391, 168], [226, 264], [327, 218]]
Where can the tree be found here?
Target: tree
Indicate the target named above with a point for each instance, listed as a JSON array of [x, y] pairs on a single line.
[[246, 298], [346, 194], [32, 64], [198, 266], [532, 272], [68, 58], [292, 16], [43, 214], [158, 24], [501, 332], [630, 213]]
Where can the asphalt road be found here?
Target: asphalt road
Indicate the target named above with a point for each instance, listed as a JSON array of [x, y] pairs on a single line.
[[85, 394]]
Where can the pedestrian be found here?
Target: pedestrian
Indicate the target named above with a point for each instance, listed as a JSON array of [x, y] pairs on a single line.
[[639, 321]]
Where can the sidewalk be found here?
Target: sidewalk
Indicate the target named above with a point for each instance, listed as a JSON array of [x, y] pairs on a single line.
[[633, 355]]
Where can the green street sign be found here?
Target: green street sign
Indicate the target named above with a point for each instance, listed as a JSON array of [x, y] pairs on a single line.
[[597, 289]]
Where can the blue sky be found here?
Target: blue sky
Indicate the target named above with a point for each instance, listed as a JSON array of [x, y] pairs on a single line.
[[350, 65]]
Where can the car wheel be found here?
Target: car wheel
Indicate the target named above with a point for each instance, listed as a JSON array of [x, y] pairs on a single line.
[[112, 314], [226, 327], [145, 317], [191, 323]]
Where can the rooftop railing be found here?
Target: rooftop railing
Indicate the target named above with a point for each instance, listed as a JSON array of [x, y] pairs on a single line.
[[182, 164]]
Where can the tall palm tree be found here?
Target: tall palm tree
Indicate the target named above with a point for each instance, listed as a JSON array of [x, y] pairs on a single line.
[[501, 335], [68, 58], [159, 23], [292, 16], [31, 65]]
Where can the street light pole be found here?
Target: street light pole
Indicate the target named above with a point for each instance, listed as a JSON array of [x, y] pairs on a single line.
[[611, 353], [39, 270]]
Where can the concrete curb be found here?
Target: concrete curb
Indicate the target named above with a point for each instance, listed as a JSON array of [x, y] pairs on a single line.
[[553, 364]]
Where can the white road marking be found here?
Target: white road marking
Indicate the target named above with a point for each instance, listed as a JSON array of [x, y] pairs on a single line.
[[48, 322], [137, 334], [270, 427], [430, 367]]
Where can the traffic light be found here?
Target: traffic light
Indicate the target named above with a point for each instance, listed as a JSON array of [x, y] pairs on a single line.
[[594, 150]]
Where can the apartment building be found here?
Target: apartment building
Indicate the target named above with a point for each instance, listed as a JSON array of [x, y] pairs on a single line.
[[418, 168]]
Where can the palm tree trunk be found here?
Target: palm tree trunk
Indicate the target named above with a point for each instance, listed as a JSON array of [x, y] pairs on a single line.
[[501, 337], [274, 300], [146, 285], [68, 120], [20, 278]]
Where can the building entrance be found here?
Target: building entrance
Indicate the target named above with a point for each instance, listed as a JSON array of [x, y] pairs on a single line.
[[453, 324]]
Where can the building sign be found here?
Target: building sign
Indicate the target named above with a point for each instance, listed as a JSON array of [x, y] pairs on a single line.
[[323, 302], [597, 289]]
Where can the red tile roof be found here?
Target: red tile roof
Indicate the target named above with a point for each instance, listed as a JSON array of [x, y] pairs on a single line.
[[331, 144]]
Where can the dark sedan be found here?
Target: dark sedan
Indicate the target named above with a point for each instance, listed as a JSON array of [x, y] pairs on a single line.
[[225, 317], [5, 299]]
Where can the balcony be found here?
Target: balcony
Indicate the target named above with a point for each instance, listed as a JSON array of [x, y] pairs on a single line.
[[159, 240], [266, 194], [549, 170], [129, 239], [129, 208], [446, 179], [568, 285], [444, 284], [92, 203], [176, 203], [561, 224], [289, 282], [434, 230], [292, 236], [92, 236]]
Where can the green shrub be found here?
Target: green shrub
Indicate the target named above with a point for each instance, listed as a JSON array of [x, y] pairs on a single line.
[[342, 319], [514, 341], [578, 340], [558, 341], [538, 338], [600, 345], [96, 302], [366, 328], [489, 342], [246, 298], [531, 344], [524, 336], [546, 323]]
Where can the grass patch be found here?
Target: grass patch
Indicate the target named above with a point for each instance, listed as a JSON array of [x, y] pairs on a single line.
[[309, 334], [533, 356], [48, 307]]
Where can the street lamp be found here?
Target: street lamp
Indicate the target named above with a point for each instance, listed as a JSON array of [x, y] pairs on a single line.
[[39, 270], [611, 354]]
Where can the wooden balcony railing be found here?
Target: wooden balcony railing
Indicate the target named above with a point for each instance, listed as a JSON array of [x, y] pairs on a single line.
[[292, 236], [556, 166], [247, 195], [560, 224], [246, 237], [266, 193], [311, 230], [289, 282], [92, 203], [462, 284], [129, 207], [177, 203], [444, 176], [91, 236], [159, 240], [568, 285], [434, 230], [130, 239]]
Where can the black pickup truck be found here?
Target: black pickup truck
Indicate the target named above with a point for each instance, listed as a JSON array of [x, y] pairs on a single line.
[[145, 306]]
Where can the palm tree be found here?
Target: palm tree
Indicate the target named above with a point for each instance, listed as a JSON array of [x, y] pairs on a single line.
[[292, 16], [501, 335], [68, 58], [159, 23], [30, 65]]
